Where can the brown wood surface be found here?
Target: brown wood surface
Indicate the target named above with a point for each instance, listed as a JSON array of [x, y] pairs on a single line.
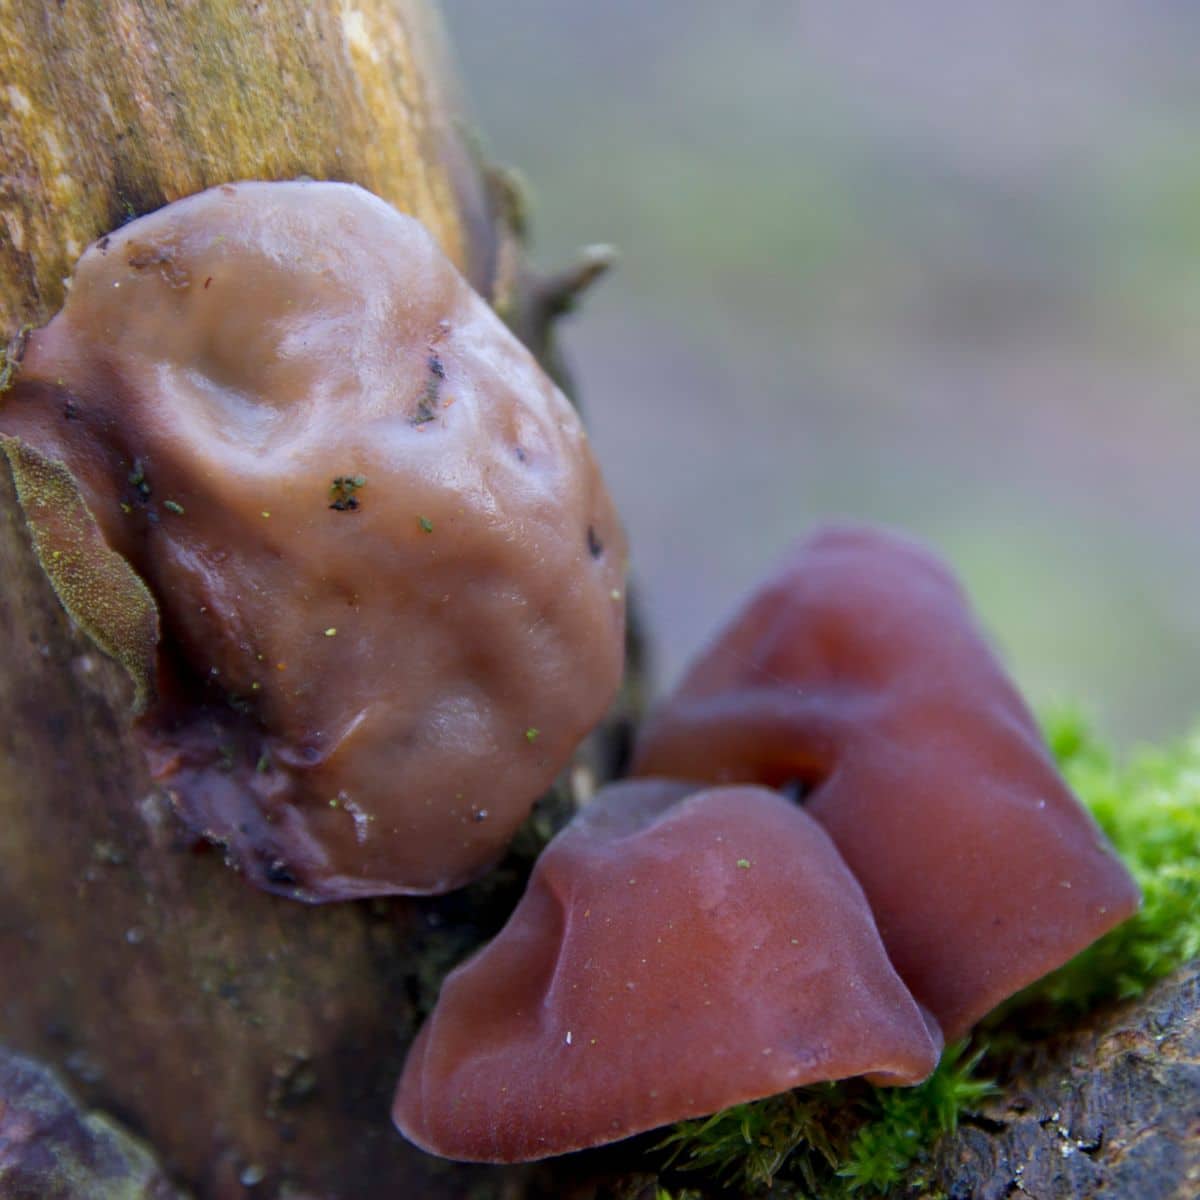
[[1107, 1111], [252, 1042], [110, 109]]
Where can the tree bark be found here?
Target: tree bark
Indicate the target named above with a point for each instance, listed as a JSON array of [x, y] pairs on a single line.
[[252, 1042], [1109, 1110], [112, 109], [50, 1149]]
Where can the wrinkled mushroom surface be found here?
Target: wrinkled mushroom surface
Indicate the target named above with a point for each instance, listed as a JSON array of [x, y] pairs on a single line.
[[391, 578], [858, 672], [673, 954]]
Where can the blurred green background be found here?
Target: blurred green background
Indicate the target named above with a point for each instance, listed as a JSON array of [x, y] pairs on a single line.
[[935, 264]]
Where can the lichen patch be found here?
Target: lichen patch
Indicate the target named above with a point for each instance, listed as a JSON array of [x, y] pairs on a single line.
[[98, 588]]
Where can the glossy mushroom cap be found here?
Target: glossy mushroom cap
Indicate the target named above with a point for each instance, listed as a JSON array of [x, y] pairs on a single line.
[[673, 954], [858, 671], [390, 575]]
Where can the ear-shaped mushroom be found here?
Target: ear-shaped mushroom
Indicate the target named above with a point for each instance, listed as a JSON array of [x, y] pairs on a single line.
[[670, 957], [858, 671], [390, 575]]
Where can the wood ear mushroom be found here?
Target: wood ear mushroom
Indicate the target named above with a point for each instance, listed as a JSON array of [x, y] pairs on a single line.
[[676, 951], [390, 576], [858, 673]]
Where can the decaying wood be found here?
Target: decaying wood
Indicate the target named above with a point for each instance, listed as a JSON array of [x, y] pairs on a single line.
[[1110, 1110], [252, 1042]]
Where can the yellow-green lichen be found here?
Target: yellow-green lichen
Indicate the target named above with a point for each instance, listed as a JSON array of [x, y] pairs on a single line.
[[11, 355], [98, 588]]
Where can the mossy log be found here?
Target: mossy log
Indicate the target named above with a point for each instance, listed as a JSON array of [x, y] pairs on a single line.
[[248, 1045], [251, 1042]]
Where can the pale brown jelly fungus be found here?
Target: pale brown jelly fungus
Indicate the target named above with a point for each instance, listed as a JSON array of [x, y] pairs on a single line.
[[390, 575], [673, 954], [858, 672]]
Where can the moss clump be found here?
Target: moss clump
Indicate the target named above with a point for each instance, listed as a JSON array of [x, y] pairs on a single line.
[[852, 1140], [829, 1141]]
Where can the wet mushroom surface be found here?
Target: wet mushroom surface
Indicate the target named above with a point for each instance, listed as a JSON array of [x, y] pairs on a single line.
[[390, 576], [676, 951], [857, 677]]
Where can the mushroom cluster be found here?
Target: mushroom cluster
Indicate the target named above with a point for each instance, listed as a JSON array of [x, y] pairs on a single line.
[[857, 673], [683, 947], [390, 577], [676, 951], [390, 586]]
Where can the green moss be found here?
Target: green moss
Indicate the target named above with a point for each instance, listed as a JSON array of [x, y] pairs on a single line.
[[902, 1123], [852, 1140], [745, 1147], [831, 1140]]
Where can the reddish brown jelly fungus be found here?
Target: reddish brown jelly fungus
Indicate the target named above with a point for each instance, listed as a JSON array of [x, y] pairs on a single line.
[[858, 671], [367, 517], [672, 955]]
